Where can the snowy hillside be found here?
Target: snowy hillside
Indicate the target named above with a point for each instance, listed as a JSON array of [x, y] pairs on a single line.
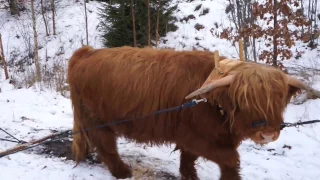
[[31, 113], [54, 50]]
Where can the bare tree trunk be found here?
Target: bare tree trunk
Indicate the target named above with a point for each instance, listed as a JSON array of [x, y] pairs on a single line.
[[314, 20], [86, 20], [13, 7], [302, 9], [44, 18], [234, 19], [239, 14], [149, 25], [246, 19], [36, 55], [315, 10], [240, 17], [309, 16], [53, 17], [157, 28], [133, 25], [251, 20], [254, 49], [3, 59], [275, 33]]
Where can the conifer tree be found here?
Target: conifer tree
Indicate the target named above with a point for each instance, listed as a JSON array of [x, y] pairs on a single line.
[[117, 27]]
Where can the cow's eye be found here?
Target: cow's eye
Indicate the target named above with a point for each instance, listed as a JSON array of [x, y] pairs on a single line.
[[259, 123]]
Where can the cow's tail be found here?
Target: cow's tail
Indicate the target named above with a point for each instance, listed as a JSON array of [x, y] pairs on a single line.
[[80, 144]]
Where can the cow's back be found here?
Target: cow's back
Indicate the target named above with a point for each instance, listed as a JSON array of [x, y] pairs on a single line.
[[125, 82]]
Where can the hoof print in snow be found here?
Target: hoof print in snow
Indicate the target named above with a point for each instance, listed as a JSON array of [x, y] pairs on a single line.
[[198, 26], [198, 7], [287, 146], [23, 118], [186, 19], [204, 12], [62, 150]]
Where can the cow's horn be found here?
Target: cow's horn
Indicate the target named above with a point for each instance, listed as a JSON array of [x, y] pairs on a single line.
[[299, 84], [220, 82]]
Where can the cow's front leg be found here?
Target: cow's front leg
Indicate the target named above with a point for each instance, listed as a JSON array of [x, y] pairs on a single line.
[[187, 163], [230, 167], [226, 157]]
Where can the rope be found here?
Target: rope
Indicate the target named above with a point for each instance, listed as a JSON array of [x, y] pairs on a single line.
[[55, 136], [58, 136], [9, 140], [17, 140], [183, 106], [284, 125]]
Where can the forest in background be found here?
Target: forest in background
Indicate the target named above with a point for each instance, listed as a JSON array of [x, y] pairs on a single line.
[[278, 24]]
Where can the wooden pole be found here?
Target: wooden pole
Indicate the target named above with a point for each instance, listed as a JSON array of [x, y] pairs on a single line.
[[241, 50], [216, 59], [29, 144], [3, 60]]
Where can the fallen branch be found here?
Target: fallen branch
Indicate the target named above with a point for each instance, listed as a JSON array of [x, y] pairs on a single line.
[[30, 144]]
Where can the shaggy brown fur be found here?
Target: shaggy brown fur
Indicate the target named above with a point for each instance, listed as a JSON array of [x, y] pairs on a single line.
[[117, 83]]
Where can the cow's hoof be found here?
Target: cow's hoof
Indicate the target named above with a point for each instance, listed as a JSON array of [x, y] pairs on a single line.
[[122, 173], [190, 177]]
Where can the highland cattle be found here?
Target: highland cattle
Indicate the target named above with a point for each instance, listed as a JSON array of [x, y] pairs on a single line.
[[118, 83]]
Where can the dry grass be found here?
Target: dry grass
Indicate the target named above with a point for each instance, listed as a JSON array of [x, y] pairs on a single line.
[[53, 76]]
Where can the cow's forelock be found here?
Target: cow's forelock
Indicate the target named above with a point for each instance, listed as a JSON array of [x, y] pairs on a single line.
[[257, 93], [260, 92]]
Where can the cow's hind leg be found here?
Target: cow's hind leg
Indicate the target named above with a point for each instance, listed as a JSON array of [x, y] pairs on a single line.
[[187, 163], [105, 142]]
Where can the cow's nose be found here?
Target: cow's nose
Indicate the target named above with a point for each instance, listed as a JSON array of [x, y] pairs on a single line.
[[267, 137]]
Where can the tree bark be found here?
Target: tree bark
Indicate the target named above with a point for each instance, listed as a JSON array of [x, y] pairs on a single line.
[[133, 25], [53, 17], [302, 9], [309, 16], [36, 55], [13, 7], [251, 21], [86, 20], [275, 34], [254, 49], [149, 25], [3, 59], [157, 28], [44, 18]]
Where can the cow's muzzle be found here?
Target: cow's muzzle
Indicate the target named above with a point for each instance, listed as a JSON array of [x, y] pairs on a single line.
[[264, 138]]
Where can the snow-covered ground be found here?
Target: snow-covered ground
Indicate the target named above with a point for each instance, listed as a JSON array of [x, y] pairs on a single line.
[[31, 113]]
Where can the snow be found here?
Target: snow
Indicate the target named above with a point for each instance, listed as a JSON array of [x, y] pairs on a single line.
[[17, 34], [31, 113], [45, 110], [185, 38]]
